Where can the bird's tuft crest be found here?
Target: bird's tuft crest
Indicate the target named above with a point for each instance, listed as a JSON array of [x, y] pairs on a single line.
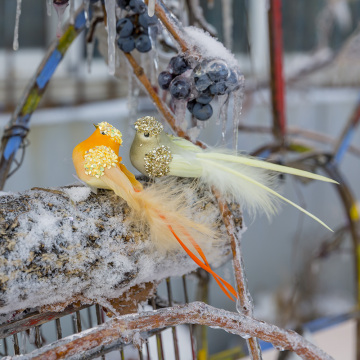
[[148, 124], [107, 129]]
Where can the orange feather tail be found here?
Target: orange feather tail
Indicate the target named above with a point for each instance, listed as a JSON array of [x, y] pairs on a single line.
[[223, 284]]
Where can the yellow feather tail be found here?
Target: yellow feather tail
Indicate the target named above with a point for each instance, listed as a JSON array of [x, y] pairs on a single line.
[[244, 160], [264, 187]]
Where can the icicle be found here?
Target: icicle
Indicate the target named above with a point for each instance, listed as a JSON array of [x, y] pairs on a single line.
[[49, 6], [89, 55], [227, 20], [180, 112], [60, 9], [87, 12], [72, 11], [16, 30], [132, 93], [154, 55], [237, 109], [111, 29], [151, 7], [223, 101]]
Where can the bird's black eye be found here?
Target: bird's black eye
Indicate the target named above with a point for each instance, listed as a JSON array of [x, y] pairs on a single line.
[[146, 134], [103, 133]]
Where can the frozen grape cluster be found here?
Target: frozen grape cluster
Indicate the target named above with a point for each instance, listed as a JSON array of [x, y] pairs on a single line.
[[133, 29], [198, 87]]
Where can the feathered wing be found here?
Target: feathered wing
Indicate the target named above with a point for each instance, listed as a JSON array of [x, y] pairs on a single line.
[[164, 210], [248, 185]]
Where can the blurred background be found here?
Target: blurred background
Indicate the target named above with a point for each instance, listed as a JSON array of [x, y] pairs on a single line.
[[292, 279]]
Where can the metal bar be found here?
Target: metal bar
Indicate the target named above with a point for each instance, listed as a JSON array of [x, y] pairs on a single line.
[[38, 341], [16, 344], [58, 329], [276, 69], [88, 310], [173, 329], [35, 319], [78, 321], [192, 342], [17, 129], [147, 350], [159, 345], [5, 347], [99, 320]]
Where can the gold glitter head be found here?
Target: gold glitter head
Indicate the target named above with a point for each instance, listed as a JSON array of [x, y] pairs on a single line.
[[148, 125], [157, 161], [98, 159], [107, 129]]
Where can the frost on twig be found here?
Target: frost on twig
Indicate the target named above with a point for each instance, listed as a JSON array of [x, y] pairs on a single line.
[[123, 329], [58, 246]]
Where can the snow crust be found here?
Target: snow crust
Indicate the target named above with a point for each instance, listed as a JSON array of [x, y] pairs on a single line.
[[208, 46], [78, 194]]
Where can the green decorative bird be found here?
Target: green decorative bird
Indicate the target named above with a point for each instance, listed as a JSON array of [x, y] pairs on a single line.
[[245, 179]]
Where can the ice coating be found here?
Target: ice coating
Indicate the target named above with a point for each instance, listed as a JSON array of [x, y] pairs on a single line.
[[89, 55], [49, 6], [227, 14], [16, 29], [207, 46], [238, 100], [60, 10], [68, 242], [151, 7], [111, 29], [87, 12], [72, 11]]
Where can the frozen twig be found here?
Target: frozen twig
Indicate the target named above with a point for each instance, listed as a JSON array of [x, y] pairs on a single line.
[[123, 328], [196, 12], [243, 294]]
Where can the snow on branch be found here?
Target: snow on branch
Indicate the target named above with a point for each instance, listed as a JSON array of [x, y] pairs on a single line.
[[130, 327], [58, 246]]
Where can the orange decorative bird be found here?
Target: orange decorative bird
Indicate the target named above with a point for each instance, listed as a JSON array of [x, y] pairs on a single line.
[[97, 163]]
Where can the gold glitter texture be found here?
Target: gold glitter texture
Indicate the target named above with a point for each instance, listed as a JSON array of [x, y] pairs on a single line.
[[148, 124], [98, 159], [157, 161], [107, 129]]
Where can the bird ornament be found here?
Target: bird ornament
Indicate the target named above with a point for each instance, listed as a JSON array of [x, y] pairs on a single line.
[[244, 179], [97, 164]]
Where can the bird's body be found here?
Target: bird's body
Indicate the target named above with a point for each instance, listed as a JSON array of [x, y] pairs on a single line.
[[246, 180], [162, 210]]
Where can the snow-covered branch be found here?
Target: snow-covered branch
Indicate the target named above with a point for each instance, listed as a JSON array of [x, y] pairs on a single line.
[[124, 328], [58, 246]]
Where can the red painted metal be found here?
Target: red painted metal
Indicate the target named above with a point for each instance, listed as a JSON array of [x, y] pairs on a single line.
[[276, 64]]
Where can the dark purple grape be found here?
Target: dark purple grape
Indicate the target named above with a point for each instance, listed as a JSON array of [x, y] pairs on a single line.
[[178, 65], [190, 105], [137, 6], [205, 97], [218, 88], [180, 88], [143, 43], [232, 82], [165, 79], [123, 4], [217, 71], [202, 112], [202, 82], [126, 44], [124, 27], [145, 20]]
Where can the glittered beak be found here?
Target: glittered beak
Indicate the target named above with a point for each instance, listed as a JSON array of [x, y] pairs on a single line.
[[96, 125]]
